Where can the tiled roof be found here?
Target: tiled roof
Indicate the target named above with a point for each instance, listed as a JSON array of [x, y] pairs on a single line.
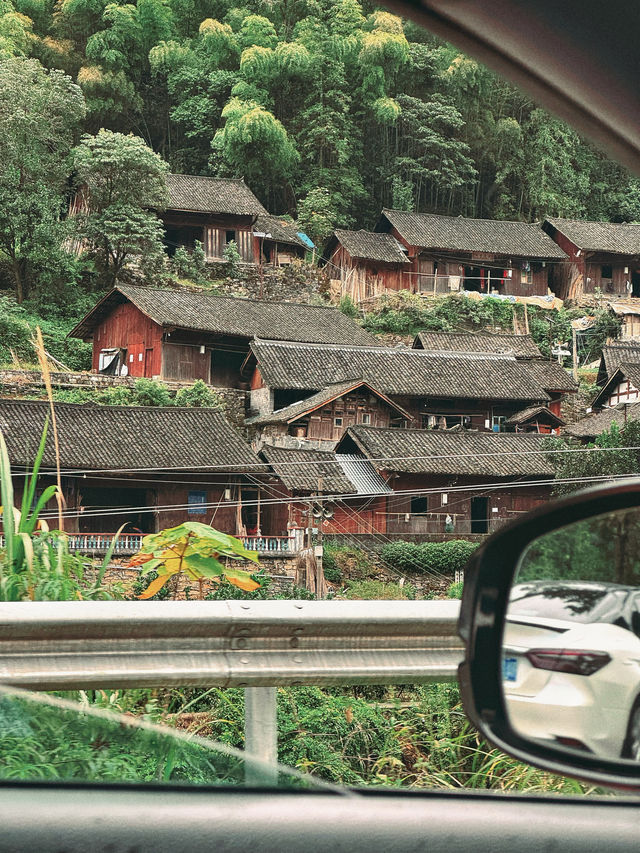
[[371, 246], [593, 425], [619, 238], [630, 371], [212, 195], [300, 470], [533, 412], [228, 315], [278, 229], [522, 346], [615, 353], [340, 474], [451, 233], [121, 437], [315, 401], [397, 371], [551, 375], [419, 451]]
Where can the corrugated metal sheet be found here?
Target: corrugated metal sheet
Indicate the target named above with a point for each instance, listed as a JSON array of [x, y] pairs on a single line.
[[366, 480]]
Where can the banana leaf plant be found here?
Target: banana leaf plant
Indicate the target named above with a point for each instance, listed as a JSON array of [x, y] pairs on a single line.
[[193, 549]]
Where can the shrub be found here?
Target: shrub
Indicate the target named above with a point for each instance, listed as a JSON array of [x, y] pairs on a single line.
[[197, 395], [146, 392], [346, 562], [371, 590], [429, 557], [348, 306], [455, 590]]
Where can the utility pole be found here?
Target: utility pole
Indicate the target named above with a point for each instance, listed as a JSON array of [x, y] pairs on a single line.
[[574, 338], [320, 531]]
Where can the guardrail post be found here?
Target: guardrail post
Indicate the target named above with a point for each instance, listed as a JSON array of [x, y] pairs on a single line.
[[261, 734]]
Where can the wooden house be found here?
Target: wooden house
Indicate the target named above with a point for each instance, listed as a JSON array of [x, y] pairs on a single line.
[[325, 491], [278, 242], [149, 467], [214, 211], [449, 254], [366, 263], [184, 335], [589, 428], [550, 375], [439, 390], [321, 419], [613, 355], [452, 482], [602, 257], [622, 386]]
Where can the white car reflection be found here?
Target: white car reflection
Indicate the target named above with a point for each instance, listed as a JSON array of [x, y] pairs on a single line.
[[571, 665]]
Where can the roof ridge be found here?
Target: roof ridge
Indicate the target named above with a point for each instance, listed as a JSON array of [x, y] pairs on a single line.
[[64, 404], [458, 218], [208, 178], [208, 294]]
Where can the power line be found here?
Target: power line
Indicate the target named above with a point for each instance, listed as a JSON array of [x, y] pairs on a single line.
[[247, 469], [119, 510]]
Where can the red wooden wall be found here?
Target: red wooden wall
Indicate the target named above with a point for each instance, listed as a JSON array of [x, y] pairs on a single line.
[[129, 328]]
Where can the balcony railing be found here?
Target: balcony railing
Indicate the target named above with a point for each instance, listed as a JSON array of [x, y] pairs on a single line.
[[130, 543]]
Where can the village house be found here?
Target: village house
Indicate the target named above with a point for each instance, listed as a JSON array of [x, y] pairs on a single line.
[[184, 335], [438, 390], [278, 242], [337, 493], [321, 419], [366, 264], [454, 482], [613, 355], [589, 428], [150, 468], [214, 211], [550, 375], [449, 254], [602, 257], [217, 211]]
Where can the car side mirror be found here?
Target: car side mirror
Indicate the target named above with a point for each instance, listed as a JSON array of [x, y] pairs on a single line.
[[550, 617]]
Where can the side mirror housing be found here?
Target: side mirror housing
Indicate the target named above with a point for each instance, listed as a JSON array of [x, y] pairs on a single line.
[[550, 617]]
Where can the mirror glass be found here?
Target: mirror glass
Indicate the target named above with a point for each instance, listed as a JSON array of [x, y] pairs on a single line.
[[571, 643]]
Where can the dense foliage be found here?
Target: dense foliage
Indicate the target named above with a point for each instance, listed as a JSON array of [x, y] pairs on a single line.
[[335, 108], [429, 557]]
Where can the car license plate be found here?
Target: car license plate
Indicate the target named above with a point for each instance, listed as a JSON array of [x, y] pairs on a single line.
[[509, 669]]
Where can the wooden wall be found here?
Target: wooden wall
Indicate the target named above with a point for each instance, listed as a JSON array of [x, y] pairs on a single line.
[[362, 279], [127, 327], [352, 408]]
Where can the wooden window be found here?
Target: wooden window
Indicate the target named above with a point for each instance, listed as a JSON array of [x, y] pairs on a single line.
[[606, 271], [337, 422], [197, 503], [366, 418], [419, 504]]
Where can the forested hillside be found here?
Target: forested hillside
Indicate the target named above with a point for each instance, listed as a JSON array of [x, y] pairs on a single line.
[[330, 109]]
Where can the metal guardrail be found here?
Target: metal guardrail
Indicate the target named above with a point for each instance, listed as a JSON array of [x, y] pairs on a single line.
[[74, 645], [257, 645]]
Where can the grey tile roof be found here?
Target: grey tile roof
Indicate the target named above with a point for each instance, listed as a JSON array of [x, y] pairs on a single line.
[[212, 195], [618, 238], [532, 412], [451, 233], [315, 401], [341, 474], [615, 353], [371, 246], [551, 375], [522, 346], [593, 425], [116, 437], [482, 454], [278, 229], [397, 371], [299, 470], [626, 370], [228, 315]]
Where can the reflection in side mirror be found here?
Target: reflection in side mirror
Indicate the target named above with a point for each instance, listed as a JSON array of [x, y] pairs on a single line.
[[571, 643]]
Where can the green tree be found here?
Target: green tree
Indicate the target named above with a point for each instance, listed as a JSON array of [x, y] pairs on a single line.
[[124, 181], [39, 116]]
